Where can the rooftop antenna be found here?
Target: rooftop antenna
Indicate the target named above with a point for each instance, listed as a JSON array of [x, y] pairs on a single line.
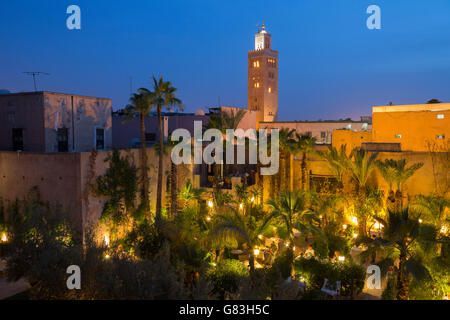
[[34, 74]]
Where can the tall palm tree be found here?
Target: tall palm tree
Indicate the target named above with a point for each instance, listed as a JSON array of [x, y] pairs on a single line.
[[307, 144], [232, 228], [400, 232], [141, 104], [337, 161], [396, 172], [292, 208], [360, 168], [223, 120], [163, 95], [286, 143]]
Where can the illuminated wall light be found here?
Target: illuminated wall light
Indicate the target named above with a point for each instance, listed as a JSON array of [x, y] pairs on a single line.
[[208, 218], [341, 258], [355, 235], [252, 199], [256, 252], [354, 220], [107, 256], [287, 244], [344, 226], [210, 204], [241, 206], [260, 236], [4, 237], [420, 220], [270, 90]]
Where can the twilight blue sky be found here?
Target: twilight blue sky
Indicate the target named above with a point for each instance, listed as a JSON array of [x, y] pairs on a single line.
[[330, 65]]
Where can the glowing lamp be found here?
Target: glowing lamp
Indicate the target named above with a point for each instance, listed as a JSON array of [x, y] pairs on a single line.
[[210, 204], [260, 236], [420, 220], [241, 206], [355, 235], [208, 218], [344, 226], [107, 239], [341, 258], [4, 237], [252, 199], [256, 252], [354, 220]]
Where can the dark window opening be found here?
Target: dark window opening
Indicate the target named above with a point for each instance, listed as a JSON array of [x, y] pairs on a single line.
[[17, 136], [63, 140], [100, 139], [150, 137]]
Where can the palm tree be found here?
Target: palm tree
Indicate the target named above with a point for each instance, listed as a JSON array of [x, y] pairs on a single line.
[[223, 120], [163, 95], [233, 228], [433, 208], [307, 144], [396, 172], [360, 170], [141, 104], [286, 146], [400, 232], [189, 193], [291, 207], [337, 161]]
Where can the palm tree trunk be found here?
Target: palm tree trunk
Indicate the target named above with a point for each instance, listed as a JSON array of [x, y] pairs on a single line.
[[362, 214], [398, 201], [144, 171], [160, 168], [402, 281], [173, 191], [304, 171], [251, 262]]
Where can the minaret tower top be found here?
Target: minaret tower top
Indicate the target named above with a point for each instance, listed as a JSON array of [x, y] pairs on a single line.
[[263, 78]]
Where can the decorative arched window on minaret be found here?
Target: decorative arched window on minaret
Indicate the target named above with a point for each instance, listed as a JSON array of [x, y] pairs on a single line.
[[263, 78]]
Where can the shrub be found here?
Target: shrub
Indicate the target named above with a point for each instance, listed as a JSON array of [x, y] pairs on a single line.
[[352, 276], [227, 277]]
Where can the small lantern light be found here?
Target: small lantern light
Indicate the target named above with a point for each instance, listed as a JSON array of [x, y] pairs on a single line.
[[4, 237], [210, 204], [341, 258]]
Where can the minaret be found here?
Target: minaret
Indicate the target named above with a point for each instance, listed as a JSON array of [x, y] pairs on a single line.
[[263, 78]]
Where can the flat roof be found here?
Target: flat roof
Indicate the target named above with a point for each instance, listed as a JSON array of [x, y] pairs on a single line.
[[413, 107], [49, 92], [318, 121]]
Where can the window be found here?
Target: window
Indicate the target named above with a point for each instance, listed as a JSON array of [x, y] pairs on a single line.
[[440, 136], [323, 134], [398, 136], [440, 116], [309, 133], [11, 116], [256, 84], [256, 64], [62, 137], [17, 137], [100, 138], [270, 90]]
